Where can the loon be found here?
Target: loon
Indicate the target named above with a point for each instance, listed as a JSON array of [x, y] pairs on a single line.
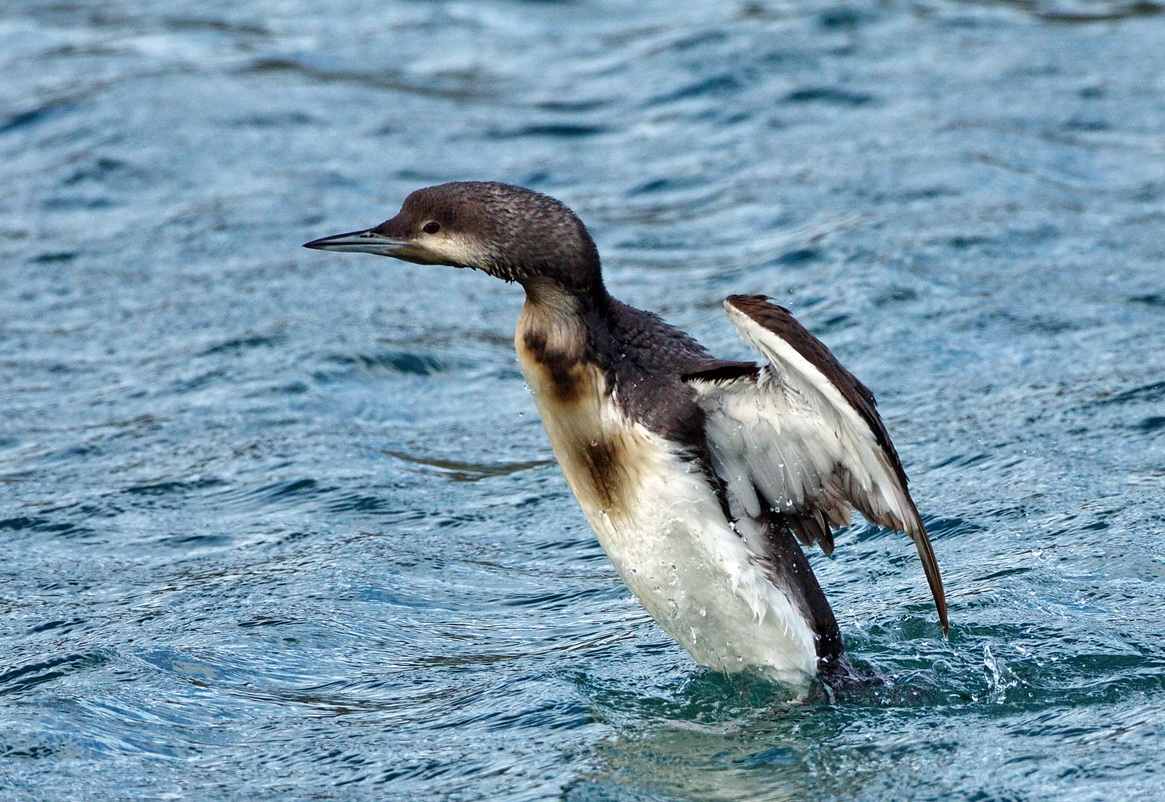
[[699, 476]]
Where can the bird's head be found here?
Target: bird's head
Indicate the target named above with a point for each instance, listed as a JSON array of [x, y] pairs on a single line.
[[513, 233]]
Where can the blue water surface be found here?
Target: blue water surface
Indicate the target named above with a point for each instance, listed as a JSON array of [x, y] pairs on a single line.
[[277, 524]]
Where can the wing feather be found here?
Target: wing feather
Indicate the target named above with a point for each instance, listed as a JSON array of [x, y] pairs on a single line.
[[802, 437]]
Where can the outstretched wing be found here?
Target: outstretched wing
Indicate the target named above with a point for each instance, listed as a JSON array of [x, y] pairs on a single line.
[[802, 436]]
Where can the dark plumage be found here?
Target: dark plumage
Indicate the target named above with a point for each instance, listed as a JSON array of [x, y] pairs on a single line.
[[714, 467]]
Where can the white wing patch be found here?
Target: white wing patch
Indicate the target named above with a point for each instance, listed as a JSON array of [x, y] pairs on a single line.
[[786, 437], [788, 434]]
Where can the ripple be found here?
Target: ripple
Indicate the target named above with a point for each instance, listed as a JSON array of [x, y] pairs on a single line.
[[962, 460], [799, 257], [382, 363], [237, 345], [469, 86], [285, 494], [939, 527], [53, 257], [829, 95], [24, 679], [546, 715], [459, 471], [717, 86], [36, 116], [1150, 299], [358, 502], [561, 130], [1088, 12], [1153, 423], [46, 525], [553, 601], [173, 487], [1145, 393]]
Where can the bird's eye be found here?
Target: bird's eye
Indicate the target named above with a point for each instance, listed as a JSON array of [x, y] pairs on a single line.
[[431, 227]]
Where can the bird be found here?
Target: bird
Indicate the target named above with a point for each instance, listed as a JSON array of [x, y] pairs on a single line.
[[701, 477]]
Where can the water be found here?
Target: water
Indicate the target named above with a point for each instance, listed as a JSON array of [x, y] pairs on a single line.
[[279, 524]]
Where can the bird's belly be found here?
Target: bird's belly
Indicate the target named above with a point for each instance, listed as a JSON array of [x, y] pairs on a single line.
[[673, 548], [658, 519]]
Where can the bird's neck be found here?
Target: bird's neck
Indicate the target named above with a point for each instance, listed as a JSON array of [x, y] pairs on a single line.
[[561, 321]]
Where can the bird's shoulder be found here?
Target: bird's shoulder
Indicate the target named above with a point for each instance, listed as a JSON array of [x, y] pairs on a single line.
[[646, 342], [644, 359]]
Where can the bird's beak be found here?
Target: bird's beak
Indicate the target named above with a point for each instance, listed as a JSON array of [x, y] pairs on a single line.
[[368, 241]]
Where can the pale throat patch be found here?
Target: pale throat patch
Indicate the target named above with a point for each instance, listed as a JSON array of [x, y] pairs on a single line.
[[458, 248]]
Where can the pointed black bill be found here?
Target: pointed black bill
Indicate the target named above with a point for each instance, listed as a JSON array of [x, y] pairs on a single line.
[[368, 241]]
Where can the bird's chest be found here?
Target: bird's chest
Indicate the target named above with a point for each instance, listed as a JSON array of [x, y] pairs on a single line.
[[594, 443], [639, 496]]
